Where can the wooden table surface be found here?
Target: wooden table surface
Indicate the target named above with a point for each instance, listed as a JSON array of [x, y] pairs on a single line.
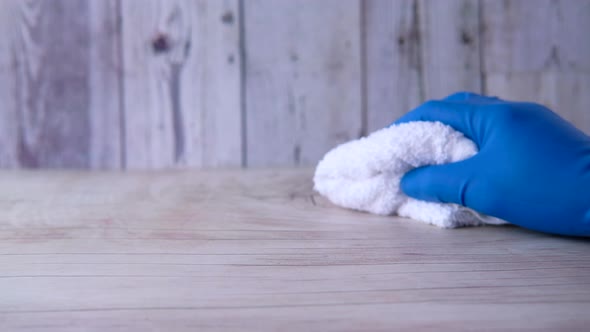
[[258, 250]]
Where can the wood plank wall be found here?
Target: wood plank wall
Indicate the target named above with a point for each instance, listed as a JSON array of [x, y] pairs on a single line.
[[146, 84]]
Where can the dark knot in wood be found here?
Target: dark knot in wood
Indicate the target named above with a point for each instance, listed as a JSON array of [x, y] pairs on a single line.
[[160, 43], [466, 38], [227, 18]]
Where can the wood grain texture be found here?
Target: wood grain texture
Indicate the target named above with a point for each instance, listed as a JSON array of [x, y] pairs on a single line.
[[105, 73], [303, 89], [50, 87], [544, 58], [393, 60], [449, 35], [9, 31], [258, 250], [217, 67], [181, 83], [205, 83]]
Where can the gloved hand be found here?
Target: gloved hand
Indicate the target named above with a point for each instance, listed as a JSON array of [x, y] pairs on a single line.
[[532, 169]]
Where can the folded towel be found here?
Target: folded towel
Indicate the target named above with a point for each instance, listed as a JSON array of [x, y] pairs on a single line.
[[365, 174]]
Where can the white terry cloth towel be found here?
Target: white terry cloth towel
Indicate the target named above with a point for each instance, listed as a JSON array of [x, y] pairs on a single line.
[[365, 174]]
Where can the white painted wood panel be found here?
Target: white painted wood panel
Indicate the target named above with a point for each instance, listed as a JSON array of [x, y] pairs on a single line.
[[181, 83], [213, 83], [105, 73], [449, 34], [303, 87], [393, 61], [205, 83], [47, 51], [540, 53], [149, 133], [9, 31]]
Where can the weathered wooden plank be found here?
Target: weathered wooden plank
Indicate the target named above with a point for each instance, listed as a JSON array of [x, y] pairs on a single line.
[[258, 250], [327, 317], [393, 60], [87, 123], [147, 103], [544, 58], [181, 83], [50, 84], [449, 35], [303, 84], [8, 97], [105, 75], [217, 70]]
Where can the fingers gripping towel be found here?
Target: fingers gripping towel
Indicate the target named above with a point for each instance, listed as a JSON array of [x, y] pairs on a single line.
[[365, 174]]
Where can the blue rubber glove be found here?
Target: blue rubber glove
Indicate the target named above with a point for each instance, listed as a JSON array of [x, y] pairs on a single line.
[[532, 169]]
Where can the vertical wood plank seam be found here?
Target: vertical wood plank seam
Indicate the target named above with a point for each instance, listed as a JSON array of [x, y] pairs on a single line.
[[363, 60], [177, 119], [24, 157], [17, 104], [481, 48], [243, 107], [121, 87], [420, 61], [18, 63]]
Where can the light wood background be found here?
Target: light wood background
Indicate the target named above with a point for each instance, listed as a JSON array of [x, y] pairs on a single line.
[[258, 250], [206, 83]]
